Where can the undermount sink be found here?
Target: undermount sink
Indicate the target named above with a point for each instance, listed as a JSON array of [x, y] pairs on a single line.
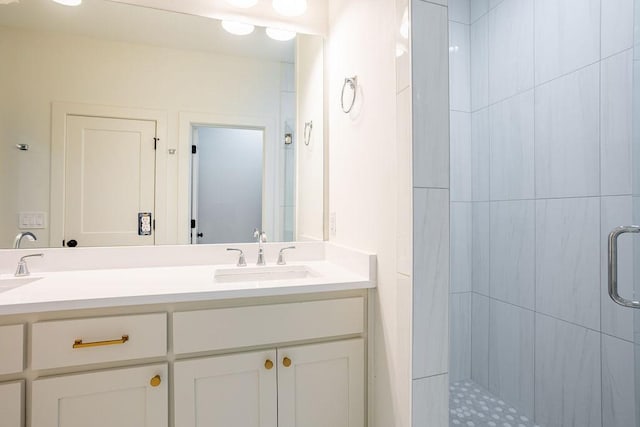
[[258, 274], [15, 282]]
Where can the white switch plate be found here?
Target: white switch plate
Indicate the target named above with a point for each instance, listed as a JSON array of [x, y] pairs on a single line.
[[32, 220]]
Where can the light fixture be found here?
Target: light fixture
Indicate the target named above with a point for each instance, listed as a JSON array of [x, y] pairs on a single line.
[[69, 2], [280, 35], [290, 7], [238, 28], [242, 4]]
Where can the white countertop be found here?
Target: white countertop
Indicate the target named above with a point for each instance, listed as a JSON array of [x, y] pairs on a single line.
[[81, 289]]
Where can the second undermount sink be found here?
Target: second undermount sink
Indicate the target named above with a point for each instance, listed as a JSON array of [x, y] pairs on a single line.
[[15, 282], [258, 274]]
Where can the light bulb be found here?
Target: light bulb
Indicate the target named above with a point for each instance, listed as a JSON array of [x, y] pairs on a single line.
[[242, 4], [238, 28], [280, 35], [69, 2], [290, 7]]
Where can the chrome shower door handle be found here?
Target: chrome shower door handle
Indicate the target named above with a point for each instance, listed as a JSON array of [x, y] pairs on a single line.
[[613, 265]]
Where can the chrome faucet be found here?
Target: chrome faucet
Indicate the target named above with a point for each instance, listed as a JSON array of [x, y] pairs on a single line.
[[29, 235], [261, 237], [23, 268], [241, 260], [281, 260]]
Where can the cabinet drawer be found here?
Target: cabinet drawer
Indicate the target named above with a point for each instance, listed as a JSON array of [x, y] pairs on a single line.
[[12, 345], [208, 330], [96, 340], [12, 404]]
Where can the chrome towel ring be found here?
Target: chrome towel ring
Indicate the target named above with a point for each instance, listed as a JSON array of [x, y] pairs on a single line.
[[352, 82], [308, 126]]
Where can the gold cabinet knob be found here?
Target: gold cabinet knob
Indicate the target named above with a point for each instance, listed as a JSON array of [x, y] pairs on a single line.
[[268, 364], [286, 362], [155, 381]]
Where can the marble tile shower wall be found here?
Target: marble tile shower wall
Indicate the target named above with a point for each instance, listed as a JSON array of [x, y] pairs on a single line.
[[541, 130]]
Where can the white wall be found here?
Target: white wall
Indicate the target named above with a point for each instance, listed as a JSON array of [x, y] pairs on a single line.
[[310, 158], [363, 184], [41, 68]]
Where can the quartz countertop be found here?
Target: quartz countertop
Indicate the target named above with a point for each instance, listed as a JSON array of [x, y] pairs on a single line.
[[82, 289]]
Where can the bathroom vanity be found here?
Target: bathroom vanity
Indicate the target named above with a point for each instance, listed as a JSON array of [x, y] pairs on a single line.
[[100, 343]]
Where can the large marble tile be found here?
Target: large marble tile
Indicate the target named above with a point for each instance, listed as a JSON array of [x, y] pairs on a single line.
[[481, 247], [459, 11], [512, 256], [431, 401], [616, 126], [567, 36], [510, 49], [512, 149], [511, 343], [460, 336], [431, 282], [460, 157], [567, 149], [430, 54], [459, 67], [567, 380], [618, 383], [480, 339], [478, 8], [480, 155], [567, 260], [617, 26], [479, 39], [617, 320], [461, 246]]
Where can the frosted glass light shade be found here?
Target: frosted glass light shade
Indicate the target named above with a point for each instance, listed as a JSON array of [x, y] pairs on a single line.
[[242, 4], [290, 7], [280, 35], [238, 28], [69, 2]]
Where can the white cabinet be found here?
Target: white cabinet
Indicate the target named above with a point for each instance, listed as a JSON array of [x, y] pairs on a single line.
[[235, 390], [132, 397], [12, 404], [314, 385]]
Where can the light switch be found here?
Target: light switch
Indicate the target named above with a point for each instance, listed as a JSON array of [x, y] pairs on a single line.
[[32, 220]]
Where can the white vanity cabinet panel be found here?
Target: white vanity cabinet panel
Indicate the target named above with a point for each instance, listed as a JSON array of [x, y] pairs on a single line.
[[12, 404], [234, 390], [219, 329], [12, 349], [53, 342], [323, 385], [113, 398]]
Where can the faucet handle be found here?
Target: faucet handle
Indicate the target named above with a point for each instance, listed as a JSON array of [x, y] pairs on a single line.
[[23, 268], [242, 262], [281, 260]]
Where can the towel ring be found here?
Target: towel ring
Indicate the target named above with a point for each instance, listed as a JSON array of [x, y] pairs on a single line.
[[307, 137], [353, 85]]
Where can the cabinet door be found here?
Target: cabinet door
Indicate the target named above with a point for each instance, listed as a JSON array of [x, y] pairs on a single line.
[[323, 385], [11, 404], [133, 397], [227, 391]]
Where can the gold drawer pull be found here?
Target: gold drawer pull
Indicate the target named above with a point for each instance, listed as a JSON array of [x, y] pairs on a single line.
[[155, 381], [80, 344], [268, 364], [286, 362]]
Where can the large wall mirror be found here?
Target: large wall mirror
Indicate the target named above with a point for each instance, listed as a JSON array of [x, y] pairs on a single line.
[[127, 125]]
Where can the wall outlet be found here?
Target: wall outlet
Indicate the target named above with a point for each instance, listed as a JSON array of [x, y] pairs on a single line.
[[32, 220], [332, 224]]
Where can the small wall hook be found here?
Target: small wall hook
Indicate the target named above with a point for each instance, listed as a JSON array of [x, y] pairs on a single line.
[[22, 147], [308, 129]]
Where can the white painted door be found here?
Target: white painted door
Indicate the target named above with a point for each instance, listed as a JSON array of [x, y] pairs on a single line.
[[113, 398], [109, 179], [227, 391], [322, 386], [12, 404]]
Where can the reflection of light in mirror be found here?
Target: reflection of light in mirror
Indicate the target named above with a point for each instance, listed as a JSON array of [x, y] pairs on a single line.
[[69, 2], [243, 4], [238, 28], [280, 35], [404, 26], [290, 7], [454, 49], [401, 49]]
